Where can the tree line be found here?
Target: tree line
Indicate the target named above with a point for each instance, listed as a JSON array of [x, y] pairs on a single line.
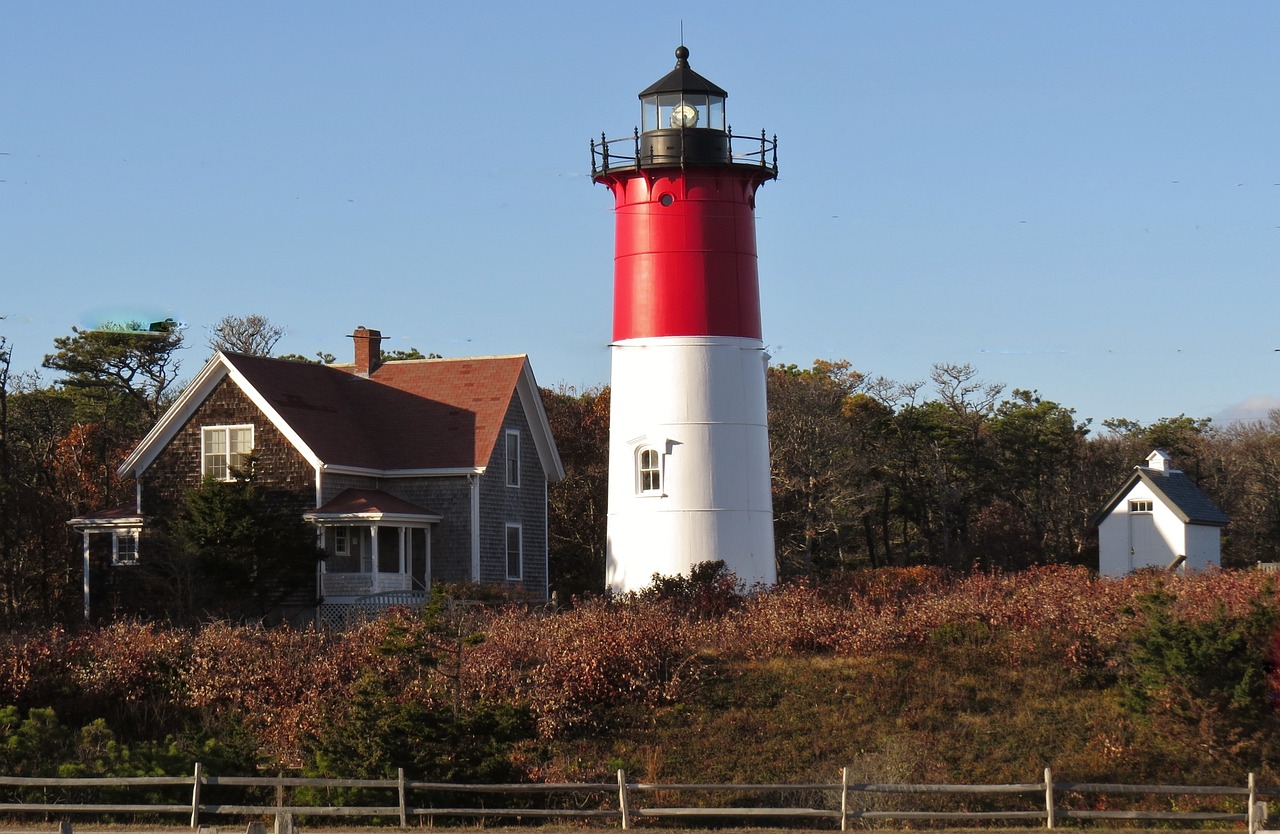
[[867, 472], [953, 472]]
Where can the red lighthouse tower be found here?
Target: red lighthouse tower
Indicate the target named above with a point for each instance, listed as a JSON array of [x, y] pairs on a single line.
[[689, 447]]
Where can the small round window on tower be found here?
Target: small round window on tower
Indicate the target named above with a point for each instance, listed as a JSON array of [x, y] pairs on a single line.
[[666, 199]]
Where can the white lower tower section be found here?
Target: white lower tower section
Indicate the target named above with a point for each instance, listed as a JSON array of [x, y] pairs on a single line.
[[689, 476]]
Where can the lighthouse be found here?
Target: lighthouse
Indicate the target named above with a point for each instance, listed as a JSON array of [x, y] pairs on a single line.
[[688, 435]]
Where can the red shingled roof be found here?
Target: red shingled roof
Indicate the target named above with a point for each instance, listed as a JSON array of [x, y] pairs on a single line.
[[415, 414], [370, 502]]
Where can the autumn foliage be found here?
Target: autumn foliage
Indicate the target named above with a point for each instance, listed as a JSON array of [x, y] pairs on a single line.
[[539, 679]]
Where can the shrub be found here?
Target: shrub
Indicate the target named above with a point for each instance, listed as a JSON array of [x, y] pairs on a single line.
[[1186, 667], [571, 668]]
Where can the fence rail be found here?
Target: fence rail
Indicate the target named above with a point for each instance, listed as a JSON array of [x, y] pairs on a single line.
[[620, 801]]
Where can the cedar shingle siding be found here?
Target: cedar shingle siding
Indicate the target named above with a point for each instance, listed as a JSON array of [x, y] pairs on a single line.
[[283, 473], [525, 504]]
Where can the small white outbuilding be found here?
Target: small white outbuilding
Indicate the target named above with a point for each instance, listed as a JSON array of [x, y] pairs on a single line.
[[1158, 518]]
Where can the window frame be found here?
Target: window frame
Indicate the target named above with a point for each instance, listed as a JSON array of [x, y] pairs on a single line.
[[518, 529], [225, 430], [1142, 505], [130, 555], [658, 471], [512, 460]]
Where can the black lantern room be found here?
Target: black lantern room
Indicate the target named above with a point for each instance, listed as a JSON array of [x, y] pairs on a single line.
[[682, 123], [682, 99], [682, 118]]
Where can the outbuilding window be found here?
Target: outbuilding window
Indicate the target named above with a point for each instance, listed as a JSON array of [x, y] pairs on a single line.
[[1141, 506]]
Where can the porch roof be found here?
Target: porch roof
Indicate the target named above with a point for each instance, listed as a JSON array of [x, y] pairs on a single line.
[[125, 515], [370, 504]]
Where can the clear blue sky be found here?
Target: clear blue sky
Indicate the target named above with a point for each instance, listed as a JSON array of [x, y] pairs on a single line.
[[1077, 197]]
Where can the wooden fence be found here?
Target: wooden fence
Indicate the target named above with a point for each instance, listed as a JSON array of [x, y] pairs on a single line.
[[1048, 802]]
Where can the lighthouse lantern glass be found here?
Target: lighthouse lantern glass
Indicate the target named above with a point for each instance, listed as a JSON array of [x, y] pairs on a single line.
[[672, 110]]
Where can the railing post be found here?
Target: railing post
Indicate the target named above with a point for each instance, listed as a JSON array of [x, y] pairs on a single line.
[[844, 799], [195, 798], [622, 798], [404, 802], [1048, 798]]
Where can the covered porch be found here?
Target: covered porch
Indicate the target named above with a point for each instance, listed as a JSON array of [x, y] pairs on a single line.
[[109, 539], [377, 545]]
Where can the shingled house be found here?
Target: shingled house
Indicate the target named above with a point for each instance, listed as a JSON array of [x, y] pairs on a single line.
[[413, 472], [1158, 518]]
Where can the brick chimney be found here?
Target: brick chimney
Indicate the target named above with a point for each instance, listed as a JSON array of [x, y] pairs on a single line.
[[368, 350]]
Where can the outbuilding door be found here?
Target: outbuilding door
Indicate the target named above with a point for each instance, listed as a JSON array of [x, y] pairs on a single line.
[[1145, 545]]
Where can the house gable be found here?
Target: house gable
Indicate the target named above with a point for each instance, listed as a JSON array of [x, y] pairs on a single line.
[[192, 398], [283, 473]]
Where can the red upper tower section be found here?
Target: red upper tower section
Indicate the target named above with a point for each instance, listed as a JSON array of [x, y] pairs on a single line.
[[685, 251]]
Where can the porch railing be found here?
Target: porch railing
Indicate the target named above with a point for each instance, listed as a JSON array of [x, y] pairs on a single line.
[[363, 584]]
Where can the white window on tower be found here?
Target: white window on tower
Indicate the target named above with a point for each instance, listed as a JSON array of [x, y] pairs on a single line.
[[513, 457], [648, 471], [1141, 506], [226, 448]]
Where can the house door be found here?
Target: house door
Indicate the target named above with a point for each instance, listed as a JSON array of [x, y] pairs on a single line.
[[1145, 545]]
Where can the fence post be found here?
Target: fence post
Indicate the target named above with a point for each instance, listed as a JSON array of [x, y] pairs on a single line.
[[622, 798], [404, 802], [195, 799], [1048, 798], [844, 799]]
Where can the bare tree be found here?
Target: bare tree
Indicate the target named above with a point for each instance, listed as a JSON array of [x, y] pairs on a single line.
[[254, 335]]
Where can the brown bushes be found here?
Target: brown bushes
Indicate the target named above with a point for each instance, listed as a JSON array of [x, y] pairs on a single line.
[[573, 670]]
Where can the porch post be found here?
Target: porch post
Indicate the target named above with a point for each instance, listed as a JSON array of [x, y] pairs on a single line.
[[373, 555], [85, 535], [320, 563], [404, 569]]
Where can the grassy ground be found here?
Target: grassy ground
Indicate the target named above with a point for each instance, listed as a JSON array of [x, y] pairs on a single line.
[[943, 717]]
